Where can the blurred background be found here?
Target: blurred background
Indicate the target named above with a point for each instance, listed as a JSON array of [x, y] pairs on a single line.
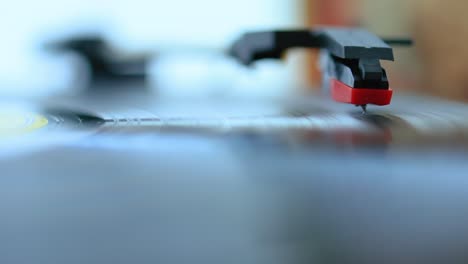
[[174, 32]]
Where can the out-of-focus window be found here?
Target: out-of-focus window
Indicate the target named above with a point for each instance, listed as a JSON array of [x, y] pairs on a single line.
[[137, 24]]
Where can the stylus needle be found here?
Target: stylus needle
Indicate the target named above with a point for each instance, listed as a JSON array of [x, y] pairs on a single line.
[[364, 109]]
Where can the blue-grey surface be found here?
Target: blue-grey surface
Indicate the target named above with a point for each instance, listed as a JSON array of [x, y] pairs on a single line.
[[317, 193]]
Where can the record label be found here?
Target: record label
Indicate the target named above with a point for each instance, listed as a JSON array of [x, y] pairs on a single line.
[[14, 123]]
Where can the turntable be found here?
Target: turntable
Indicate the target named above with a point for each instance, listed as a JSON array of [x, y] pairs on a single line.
[[129, 176]]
